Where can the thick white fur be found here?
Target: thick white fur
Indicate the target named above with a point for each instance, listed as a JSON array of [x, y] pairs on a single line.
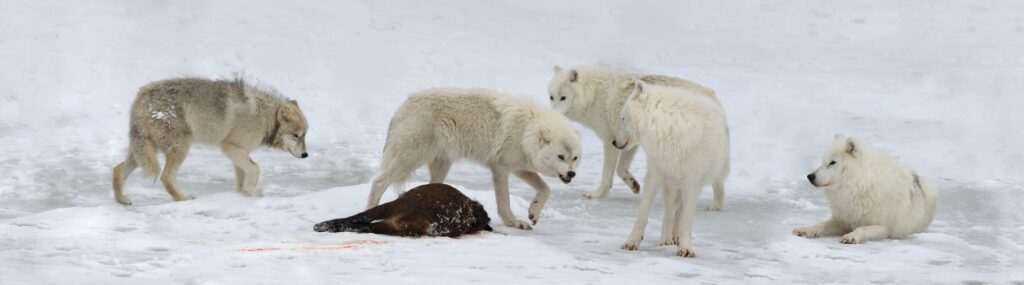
[[684, 134], [594, 96], [504, 133], [872, 195]]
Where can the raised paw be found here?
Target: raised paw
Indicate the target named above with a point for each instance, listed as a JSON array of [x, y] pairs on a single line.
[[123, 200], [804, 232], [686, 252], [633, 184], [849, 239], [631, 245], [522, 225]]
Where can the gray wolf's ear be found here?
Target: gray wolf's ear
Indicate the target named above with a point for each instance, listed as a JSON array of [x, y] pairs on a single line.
[[573, 75], [558, 69], [851, 146]]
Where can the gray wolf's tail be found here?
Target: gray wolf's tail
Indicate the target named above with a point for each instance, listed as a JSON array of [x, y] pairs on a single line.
[[143, 152]]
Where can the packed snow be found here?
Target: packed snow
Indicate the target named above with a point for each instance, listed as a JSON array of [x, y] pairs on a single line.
[[937, 84]]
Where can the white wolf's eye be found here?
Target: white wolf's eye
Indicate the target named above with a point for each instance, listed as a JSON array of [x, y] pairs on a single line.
[[296, 136], [561, 157], [552, 98], [563, 98], [575, 158], [830, 164]]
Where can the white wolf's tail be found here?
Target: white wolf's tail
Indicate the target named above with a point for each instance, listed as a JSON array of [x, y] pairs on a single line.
[[144, 153]]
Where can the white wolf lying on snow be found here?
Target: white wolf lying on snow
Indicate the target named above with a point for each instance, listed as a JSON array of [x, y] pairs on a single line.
[[169, 115], [872, 195], [594, 95], [506, 134], [684, 134]]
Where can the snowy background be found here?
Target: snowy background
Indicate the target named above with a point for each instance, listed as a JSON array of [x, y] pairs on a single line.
[[937, 83]]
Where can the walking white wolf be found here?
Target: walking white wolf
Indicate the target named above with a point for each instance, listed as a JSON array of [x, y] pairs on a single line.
[[685, 136], [504, 133], [872, 195], [169, 115], [594, 96]]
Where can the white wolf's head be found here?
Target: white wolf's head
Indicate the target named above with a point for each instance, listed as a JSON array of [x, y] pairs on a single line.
[[564, 89], [627, 134], [291, 130], [843, 153], [554, 153]]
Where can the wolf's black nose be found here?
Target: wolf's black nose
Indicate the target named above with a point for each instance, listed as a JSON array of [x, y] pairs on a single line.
[[305, 155], [810, 177], [571, 174]]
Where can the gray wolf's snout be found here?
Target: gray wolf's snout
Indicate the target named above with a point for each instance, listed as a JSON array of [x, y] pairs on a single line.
[[810, 177], [305, 155], [571, 174]]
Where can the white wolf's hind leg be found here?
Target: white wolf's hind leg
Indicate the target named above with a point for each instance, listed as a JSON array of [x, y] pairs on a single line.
[[684, 219], [719, 188], [121, 173], [827, 228], [611, 157]]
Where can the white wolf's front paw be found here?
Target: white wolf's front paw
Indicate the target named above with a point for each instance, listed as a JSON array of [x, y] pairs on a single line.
[[714, 207], [631, 245], [805, 232], [522, 225], [123, 200], [685, 252], [186, 198], [850, 238]]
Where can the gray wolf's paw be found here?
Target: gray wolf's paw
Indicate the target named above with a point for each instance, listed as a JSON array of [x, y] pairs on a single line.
[[686, 252], [805, 232], [849, 238], [522, 225], [123, 200]]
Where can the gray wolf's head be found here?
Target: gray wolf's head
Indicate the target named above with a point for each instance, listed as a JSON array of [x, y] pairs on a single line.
[[627, 134], [564, 89], [554, 154], [291, 130], [844, 151]]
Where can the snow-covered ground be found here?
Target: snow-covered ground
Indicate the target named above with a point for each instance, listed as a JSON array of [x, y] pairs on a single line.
[[938, 84]]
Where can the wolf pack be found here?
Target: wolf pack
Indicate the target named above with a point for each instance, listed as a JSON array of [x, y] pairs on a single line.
[[680, 125]]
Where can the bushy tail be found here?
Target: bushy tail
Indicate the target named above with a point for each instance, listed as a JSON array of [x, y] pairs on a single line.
[[144, 153]]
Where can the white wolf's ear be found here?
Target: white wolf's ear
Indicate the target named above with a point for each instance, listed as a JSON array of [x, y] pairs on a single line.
[[851, 146], [293, 102], [545, 136], [638, 90], [558, 69], [839, 137], [573, 75]]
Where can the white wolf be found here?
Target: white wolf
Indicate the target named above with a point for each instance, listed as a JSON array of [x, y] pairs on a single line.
[[684, 134], [593, 96], [169, 115], [872, 195], [506, 134]]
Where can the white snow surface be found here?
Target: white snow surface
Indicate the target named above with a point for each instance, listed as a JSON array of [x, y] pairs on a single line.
[[936, 83]]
